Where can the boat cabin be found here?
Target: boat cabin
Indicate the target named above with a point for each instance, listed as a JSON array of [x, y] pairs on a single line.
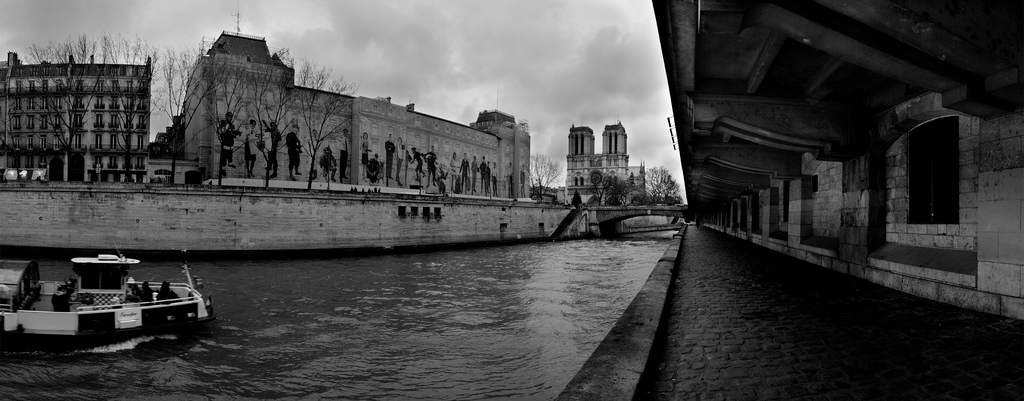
[[18, 283], [101, 280]]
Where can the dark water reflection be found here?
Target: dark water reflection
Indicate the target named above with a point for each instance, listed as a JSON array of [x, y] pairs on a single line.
[[511, 322]]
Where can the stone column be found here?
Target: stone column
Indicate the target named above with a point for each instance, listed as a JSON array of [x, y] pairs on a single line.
[[862, 218], [770, 222], [801, 215]]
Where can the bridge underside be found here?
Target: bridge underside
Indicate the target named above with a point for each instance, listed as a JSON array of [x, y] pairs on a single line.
[[856, 131]]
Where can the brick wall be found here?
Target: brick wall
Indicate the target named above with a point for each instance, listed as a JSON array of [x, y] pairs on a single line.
[[961, 236], [105, 216]]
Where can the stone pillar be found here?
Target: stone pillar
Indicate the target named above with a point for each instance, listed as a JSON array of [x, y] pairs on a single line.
[[801, 215], [862, 216], [1001, 211], [771, 220], [745, 220]]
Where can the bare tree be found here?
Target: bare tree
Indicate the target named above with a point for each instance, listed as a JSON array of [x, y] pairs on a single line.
[[321, 99], [661, 186], [273, 97], [230, 84], [185, 84], [544, 172]]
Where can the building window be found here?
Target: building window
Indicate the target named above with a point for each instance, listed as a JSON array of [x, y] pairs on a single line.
[[77, 122], [31, 104], [42, 141], [98, 120], [44, 122], [97, 161], [17, 103], [141, 124], [31, 142], [79, 84], [415, 210], [98, 142], [31, 122], [76, 141], [814, 183], [112, 162], [46, 85], [113, 141], [31, 86], [16, 122], [401, 211], [933, 173], [140, 163], [437, 212], [138, 142]]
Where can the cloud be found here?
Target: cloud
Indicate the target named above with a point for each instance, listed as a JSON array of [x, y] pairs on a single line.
[[555, 63]]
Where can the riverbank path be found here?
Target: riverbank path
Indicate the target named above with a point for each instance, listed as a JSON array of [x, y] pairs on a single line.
[[746, 323]]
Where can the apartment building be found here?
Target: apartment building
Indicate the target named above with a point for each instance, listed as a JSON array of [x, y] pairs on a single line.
[[74, 121]]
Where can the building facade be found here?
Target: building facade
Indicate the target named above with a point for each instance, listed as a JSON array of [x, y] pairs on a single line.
[[368, 141], [586, 168], [75, 121]]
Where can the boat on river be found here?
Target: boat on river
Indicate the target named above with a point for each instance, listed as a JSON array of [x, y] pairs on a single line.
[[100, 304]]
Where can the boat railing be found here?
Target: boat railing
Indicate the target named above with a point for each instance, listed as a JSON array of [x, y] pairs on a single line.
[[192, 296]]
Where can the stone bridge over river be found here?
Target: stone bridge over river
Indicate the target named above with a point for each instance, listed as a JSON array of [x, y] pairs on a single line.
[[603, 220]]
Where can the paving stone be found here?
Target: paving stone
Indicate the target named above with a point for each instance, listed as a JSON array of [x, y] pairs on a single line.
[[751, 324]]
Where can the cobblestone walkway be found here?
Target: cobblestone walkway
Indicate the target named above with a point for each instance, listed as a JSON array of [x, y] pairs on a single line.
[[751, 324]]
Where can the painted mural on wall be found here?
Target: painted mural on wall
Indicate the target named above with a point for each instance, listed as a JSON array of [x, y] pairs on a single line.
[[420, 152]]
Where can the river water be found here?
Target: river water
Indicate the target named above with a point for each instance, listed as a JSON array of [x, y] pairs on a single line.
[[509, 322]]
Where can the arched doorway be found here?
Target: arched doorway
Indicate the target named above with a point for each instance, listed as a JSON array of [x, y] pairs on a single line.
[[56, 169], [76, 168]]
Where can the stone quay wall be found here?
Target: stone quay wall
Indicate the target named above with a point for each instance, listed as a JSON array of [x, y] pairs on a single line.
[[155, 218]]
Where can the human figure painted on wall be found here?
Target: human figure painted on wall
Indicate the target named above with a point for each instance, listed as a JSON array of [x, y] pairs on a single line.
[[373, 170], [485, 176], [454, 168], [418, 158], [389, 155], [522, 183], [343, 154], [408, 162], [401, 162], [328, 165], [250, 157], [275, 145], [294, 149], [431, 160], [227, 133], [494, 179], [474, 167], [464, 172]]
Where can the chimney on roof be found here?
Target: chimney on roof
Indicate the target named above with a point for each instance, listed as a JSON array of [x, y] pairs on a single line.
[[12, 59], [91, 60], [411, 107]]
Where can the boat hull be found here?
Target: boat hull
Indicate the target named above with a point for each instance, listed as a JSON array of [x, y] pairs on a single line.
[[62, 331]]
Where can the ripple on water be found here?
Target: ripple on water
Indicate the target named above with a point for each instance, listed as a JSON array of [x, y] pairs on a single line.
[[512, 322]]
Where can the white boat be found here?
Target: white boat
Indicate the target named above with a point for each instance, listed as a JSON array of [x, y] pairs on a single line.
[[99, 304]]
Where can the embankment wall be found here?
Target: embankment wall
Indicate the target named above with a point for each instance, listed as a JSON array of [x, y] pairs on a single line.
[[134, 217]]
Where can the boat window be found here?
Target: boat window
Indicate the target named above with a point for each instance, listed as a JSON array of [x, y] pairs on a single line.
[[101, 277]]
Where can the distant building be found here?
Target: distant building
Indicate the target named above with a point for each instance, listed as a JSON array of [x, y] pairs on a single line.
[[585, 167], [373, 141], [75, 121]]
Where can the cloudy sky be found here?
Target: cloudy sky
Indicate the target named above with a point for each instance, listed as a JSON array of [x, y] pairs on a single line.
[[554, 63]]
